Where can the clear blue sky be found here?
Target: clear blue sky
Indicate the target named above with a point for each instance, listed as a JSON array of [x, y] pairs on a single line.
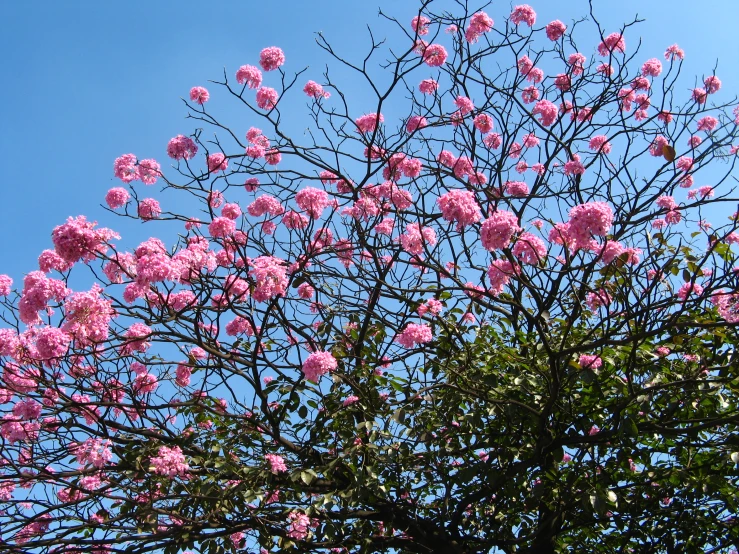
[[86, 81]]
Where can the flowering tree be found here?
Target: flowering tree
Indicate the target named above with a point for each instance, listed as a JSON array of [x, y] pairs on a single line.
[[499, 317]]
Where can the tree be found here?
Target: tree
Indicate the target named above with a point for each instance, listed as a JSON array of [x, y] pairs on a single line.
[[484, 313]]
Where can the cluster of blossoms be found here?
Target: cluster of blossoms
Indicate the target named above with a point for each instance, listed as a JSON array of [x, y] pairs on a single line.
[[170, 462]]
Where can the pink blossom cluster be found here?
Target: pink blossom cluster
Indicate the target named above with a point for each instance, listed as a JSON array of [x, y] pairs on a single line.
[[415, 237], [181, 148], [270, 277], [38, 290], [267, 98], [312, 201], [368, 122], [300, 525], [276, 463], [414, 334], [88, 316], [523, 14], [78, 239], [547, 112], [428, 86], [170, 462], [314, 90], [590, 361], [497, 230], [250, 76], [500, 273], [271, 58], [555, 30], [434, 55], [586, 220], [318, 364], [200, 95], [265, 204], [93, 451], [460, 207], [612, 43], [529, 249], [480, 23]]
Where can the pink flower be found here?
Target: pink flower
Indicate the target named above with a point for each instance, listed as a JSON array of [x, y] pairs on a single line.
[[461, 207], [577, 63], [249, 75], [318, 364], [651, 68], [52, 343], [267, 98], [217, 162], [313, 201], [6, 285], [500, 273], [270, 278], [699, 95], [712, 84], [314, 90], [183, 375], [481, 22], [276, 463], [420, 25], [181, 148], [414, 334], [694, 141], [493, 141], [199, 95], [595, 300], [149, 209], [78, 239], [117, 197], [599, 143], [415, 237], [591, 218], [125, 168], [612, 43], [516, 188], [562, 82], [666, 202], [306, 291], [689, 288], [673, 52], [428, 86], [523, 14], [368, 122], [464, 104], [415, 123], [434, 55], [707, 123], [136, 336], [169, 462], [299, 526], [574, 166], [483, 122], [149, 171], [530, 249], [88, 316], [271, 58], [497, 231], [350, 400], [590, 361], [221, 227], [555, 30], [547, 112], [94, 451]]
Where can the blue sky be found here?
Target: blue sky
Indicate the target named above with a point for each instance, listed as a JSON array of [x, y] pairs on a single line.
[[88, 81]]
